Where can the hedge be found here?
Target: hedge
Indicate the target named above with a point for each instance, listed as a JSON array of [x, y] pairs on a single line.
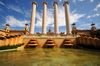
[[10, 46]]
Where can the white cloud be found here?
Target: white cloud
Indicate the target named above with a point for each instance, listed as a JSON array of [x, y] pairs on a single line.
[[74, 17], [60, 0], [80, 0], [88, 16], [97, 25], [77, 0], [2, 3], [95, 15], [96, 8], [2, 16], [27, 12], [15, 22], [16, 1], [61, 16], [91, 0], [50, 18], [15, 8], [38, 19], [74, 1], [84, 26]]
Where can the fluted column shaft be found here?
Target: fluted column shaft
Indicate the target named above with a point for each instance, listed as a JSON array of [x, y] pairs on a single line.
[[67, 17], [55, 4], [44, 17], [33, 14]]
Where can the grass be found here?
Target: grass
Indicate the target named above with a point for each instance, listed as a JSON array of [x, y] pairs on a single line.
[[42, 37]]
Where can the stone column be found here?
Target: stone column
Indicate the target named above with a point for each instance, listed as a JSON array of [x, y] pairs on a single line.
[[33, 14], [55, 4], [67, 17], [44, 17]]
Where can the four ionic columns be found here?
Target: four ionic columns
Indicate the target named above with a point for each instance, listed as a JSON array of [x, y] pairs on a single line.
[[55, 4]]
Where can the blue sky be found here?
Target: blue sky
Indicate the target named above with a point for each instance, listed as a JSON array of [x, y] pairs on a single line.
[[18, 12]]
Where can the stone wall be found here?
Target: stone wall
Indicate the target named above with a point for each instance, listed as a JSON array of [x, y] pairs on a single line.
[[3, 32], [11, 41], [41, 41], [88, 42]]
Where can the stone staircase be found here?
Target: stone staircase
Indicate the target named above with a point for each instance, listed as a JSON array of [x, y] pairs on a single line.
[[50, 43], [67, 43], [32, 43]]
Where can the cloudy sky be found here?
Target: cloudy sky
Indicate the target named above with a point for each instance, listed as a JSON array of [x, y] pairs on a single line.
[[18, 12]]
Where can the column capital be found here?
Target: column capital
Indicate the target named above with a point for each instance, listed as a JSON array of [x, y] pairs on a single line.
[[44, 2], [33, 2], [66, 2], [55, 2]]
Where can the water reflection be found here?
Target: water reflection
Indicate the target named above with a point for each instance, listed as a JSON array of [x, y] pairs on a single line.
[[50, 57]]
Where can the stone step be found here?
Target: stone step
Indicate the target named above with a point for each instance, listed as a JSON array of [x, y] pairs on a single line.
[[32, 44], [50, 40], [67, 41], [50, 44], [33, 40], [68, 44]]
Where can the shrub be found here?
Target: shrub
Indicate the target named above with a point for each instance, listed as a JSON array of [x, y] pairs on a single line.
[[11, 47], [7, 37], [1, 38]]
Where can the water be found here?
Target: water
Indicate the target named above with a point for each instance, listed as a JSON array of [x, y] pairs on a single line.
[[50, 57]]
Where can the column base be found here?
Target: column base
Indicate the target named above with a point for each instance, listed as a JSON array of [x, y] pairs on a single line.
[[31, 34], [44, 34], [56, 34], [68, 34]]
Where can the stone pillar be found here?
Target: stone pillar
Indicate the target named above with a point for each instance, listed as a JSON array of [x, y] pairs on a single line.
[[34, 4], [55, 4], [67, 17], [44, 17]]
